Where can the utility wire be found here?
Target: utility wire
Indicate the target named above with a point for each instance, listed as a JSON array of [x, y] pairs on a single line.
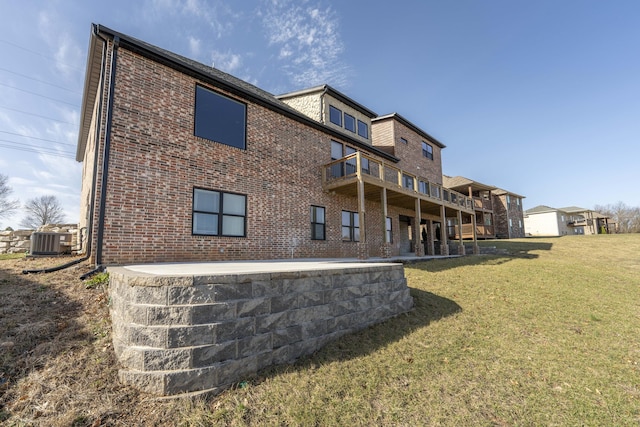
[[37, 115], [66, 156], [37, 53], [22, 144], [38, 80], [35, 137], [42, 96]]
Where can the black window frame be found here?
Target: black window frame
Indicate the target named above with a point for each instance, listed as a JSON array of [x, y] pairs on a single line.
[[338, 115], [363, 125], [201, 115], [219, 213], [427, 150], [404, 140], [350, 226], [315, 223], [352, 120]]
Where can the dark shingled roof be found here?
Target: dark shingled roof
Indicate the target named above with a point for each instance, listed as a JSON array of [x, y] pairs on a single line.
[[203, 72]]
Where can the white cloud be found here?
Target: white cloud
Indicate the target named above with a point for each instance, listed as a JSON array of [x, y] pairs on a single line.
[[228, 62], [68, 56], [309, 42], [194, 46]]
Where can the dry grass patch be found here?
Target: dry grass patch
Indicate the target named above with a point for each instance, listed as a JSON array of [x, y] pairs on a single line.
[[547, 335]]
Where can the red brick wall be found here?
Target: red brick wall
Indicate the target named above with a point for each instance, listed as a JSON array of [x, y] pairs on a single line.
[[156, 161]]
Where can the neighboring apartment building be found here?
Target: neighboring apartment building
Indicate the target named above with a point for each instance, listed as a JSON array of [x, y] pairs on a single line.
[[508, 214], [547, 221], [183, 162]]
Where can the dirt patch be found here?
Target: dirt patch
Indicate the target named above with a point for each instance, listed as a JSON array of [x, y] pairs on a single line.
[[57, 365]]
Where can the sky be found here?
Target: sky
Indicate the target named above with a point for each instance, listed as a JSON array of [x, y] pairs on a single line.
[[541, 98]]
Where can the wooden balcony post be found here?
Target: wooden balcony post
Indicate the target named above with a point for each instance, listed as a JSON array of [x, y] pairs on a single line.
[[363, 249], [461, 250], [416, 230], [358, 165], [444, 247], [476, 249]]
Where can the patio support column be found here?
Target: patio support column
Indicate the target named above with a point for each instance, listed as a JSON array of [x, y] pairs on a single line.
[[444, 246], [386, 244], [461, 250], [431, 250], [416, 230], [476, 248], [363, 249]]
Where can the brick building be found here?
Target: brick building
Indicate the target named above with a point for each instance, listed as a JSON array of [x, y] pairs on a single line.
[[183, 162]]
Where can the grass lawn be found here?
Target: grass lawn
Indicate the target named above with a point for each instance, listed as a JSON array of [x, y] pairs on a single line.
[[547, 335]]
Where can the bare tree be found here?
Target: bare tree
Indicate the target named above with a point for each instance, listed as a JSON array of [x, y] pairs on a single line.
[[627, 217], [7, 207], [42, 210]]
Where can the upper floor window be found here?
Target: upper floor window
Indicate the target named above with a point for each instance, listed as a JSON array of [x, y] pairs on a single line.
[[427, 150], [219, 118], [404, 141], [363, 129], [335, 115], [349, 122], [508, 201], [423, 187], [407, 181], [219, 214], [317, 223]]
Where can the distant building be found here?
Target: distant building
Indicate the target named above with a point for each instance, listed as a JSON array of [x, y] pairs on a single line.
[[547, 221]]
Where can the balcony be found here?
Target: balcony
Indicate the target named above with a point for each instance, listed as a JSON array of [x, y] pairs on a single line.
[[403, 188], [480, 203], [482, 231]]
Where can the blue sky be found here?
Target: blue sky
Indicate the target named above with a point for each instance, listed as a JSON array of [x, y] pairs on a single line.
[[540, 98]]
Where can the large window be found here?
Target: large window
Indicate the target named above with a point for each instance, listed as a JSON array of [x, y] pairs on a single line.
[[335, 115], [363, 129], [317, 223], [219, 118], [350, 226], [219, 214], [427, 150], [349, 122]]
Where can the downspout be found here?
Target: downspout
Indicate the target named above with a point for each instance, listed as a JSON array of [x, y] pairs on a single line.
[[106, 154], [89, 227]]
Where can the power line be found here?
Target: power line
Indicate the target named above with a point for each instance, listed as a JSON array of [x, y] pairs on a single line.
[[42, 96], [23, 144], [68, 156], [35, 137], [38, 80], [38, 53], [37, 115]]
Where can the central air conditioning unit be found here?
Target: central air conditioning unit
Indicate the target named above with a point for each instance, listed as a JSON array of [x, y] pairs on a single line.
[[43, 243]]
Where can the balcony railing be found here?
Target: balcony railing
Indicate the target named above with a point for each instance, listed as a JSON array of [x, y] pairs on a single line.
[[348, 166], [482, 204], [482, 231]]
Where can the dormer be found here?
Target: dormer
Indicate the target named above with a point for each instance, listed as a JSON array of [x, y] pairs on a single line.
[[334, 109]]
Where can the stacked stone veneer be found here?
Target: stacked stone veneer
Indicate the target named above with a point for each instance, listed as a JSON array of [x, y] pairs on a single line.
[[201, 334], [19, 241]]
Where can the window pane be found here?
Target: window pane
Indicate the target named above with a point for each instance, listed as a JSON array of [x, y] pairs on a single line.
[[234, 204], [363, 129], [317, 214], [207, 201], [219, 119], [233, 225], [356, 220], [346, 233], [356, 234], [318, 230], [336, 150], [346, 218], [335, 115], [349, 122], [388, 222], [205, 224]]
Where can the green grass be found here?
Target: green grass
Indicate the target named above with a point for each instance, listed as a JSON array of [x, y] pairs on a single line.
[[11, 256], [548, 335]]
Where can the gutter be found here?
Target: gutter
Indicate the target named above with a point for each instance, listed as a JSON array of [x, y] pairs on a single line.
[[89, 227]]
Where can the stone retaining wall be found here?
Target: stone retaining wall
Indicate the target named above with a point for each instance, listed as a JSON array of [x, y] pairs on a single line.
[[19, 241], [201, 334]]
